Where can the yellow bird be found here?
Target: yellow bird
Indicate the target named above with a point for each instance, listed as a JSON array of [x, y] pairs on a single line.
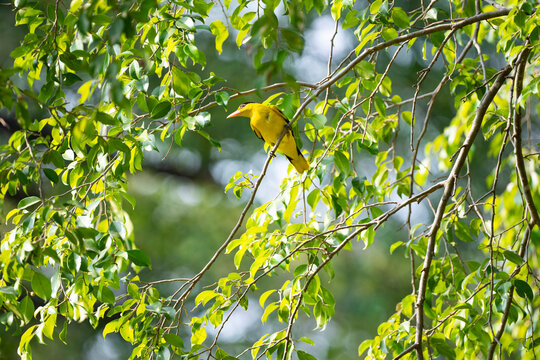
[[267, 121]]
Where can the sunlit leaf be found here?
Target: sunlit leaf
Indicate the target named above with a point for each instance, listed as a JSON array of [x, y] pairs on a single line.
[[138, 257], [161, 109], [41, 285], [220, 32]]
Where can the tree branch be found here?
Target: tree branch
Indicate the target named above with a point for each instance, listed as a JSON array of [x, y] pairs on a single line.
[[400, 39], [250, 92], [448, 189], [518, 151]]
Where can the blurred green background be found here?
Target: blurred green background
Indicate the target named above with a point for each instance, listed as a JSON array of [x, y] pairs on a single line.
[[183, 214]]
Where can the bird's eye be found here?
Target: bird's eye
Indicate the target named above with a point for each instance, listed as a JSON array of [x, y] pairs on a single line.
[[244, 105]]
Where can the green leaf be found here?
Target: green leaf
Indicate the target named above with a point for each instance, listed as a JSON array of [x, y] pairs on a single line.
[[41, 285], [130, 198], [364, 346], [198, 121], [294, 40], [63, 333], [513, 257], [117, 229], [351, 19], [26, 308], [179, 134], [111, 326], [154, 307], [105, 118], [139, 257], [320, 5], [220, 32], [222, 355], [83, 24], [222, 98], [133, 291], [46, 91], [313, 198], [400, 18], [462, 231], [523, 289], [49, 325], [181, 82], [28, 201], [389, 34], [207, 136], [365, 69], [54, 157], [161, 109], [264, 297], [268, 310], [440, 344], [302, 355], [69, 79], [8, 290], [115, 30], [25, 339], [163, 354], [335, 10], [106, 295], [395, 245], [51, 175], [318, 121], [205, 296], [374, 7], [407, 117], [198, 335], [174, 340], [307, 340], [358, 184], [342, 162], [380, 106]]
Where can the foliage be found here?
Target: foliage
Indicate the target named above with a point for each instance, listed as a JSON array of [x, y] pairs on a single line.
[[96, 84]]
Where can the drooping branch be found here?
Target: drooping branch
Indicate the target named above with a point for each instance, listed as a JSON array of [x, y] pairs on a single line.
[[448, 190]]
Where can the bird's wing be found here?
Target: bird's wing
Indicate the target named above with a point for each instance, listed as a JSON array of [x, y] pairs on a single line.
[[257, 132], [276, 110]]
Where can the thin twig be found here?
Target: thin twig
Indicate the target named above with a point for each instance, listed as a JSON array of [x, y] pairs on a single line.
[[250, 92]]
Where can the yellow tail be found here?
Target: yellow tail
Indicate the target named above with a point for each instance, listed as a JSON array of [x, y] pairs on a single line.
[[299, 163]]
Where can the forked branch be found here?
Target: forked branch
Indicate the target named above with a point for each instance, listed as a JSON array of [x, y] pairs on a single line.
[[448, 190]]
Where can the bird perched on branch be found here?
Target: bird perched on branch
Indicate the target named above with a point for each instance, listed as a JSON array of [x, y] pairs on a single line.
[[267, 121]]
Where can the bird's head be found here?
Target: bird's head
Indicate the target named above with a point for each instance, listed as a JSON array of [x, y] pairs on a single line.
[[243, 110]]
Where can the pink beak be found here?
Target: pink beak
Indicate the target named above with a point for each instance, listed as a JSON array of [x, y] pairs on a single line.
[[236, 113]]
